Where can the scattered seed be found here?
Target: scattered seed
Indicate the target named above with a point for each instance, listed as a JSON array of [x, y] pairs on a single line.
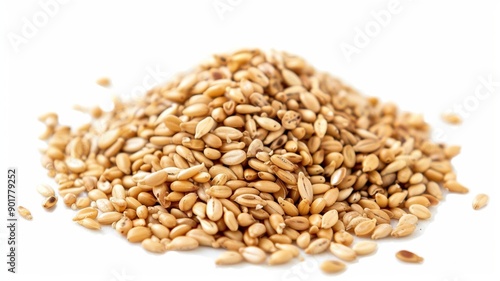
[[480, 201], [407, 256], [332, 266], [25, 213]]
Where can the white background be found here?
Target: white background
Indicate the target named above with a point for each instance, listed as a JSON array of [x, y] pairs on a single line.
[[427, 58]]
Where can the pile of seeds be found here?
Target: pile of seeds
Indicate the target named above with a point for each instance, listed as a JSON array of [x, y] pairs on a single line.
[[256, 153]]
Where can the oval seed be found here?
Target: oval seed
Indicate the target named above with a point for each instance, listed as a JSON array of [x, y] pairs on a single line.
[[317, 246], [228, 258], [332, 266], [153, 246], [364, 247], [25, 213], [183, 243], [480, 201], [342, 251], [420, 211], [253, 254], [408, 256], [280, 257]]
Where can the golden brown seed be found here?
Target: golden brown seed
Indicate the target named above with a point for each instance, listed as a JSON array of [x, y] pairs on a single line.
[[25, 213], [49, 202], [332, 266], [480, 201], [407, 256]]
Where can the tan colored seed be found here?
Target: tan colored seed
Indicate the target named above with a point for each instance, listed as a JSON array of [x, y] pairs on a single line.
[[153, 246], [403, 230], [229, 258], [420, 211], [332, 266], [305, 187], [25, 213], [253, 254], [451, 118], [233, 157], [183, 243], [45, 190], [480, 201], [365, 227], [138, 234], [381, 231], [88, 212], [280, 257], [370, 163], [317, 246], [290, 248], [103, 81], [454, 186], [90, 223], [364, 248], [407, 256], [342, 252], [329, 219]]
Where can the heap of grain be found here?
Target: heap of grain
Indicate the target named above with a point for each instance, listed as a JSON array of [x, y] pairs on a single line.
[[252, 152]]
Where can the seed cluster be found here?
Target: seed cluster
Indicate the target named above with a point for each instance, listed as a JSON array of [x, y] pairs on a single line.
[[256, 153]]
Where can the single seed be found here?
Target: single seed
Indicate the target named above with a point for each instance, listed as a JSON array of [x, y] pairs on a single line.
[[253, 254], [25, 213], [183, 243], [317, 246], [49, 202], [364, 248], [280, 257], [480, 201], [45, 190], [153, 246], [229, 258], [420, 211], [332, 266], [407, 256], [90, 223], [342, 251]]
